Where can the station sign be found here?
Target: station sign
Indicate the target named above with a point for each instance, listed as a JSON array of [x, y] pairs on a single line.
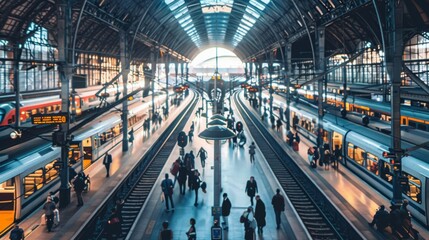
[[56, 118]]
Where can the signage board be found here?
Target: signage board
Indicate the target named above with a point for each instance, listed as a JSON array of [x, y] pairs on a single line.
[[55, 118]]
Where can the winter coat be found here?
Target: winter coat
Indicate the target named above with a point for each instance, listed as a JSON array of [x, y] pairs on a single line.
[[226, 207], [260, 213]]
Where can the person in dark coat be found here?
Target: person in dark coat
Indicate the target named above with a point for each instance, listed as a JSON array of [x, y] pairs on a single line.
[[167, 189], [381, 219], [166, 233], [79, 186], [260, 214], [196, 181], [278, 203], [107, 161], [131, 133], [251, 188], [49, 208], [226, 210], [17, 233], [183, 174]]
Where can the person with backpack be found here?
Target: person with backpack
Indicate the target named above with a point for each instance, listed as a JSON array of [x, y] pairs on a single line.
[[252, 152], [174, 170], [107, 161], [278, 203], [17, 233], [249, 223], [79, 186], [49, 208], [196, 185], [166, 233], [203, 156], [167, 189]]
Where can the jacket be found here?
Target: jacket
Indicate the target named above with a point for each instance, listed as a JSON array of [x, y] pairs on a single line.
[[278, 202], [260, 213], [251, 188], [226, 207]]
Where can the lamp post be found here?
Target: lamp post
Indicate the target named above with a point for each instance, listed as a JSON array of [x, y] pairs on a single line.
[[217, 133]]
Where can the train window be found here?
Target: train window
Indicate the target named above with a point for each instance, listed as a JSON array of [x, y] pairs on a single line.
[[33, 111], [413, 188], [386, 173], [356, 153], [50, 171], [33, 182], [372, 163], [7, 203]]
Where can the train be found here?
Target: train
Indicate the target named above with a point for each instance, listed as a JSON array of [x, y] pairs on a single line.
[[29, 173], [362, 152], [45, 105]]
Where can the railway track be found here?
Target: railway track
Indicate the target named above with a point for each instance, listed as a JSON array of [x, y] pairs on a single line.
[[136, 187], [320, 217]]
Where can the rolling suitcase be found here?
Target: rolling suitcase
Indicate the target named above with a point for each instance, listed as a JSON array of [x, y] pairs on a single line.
[[295, 146]]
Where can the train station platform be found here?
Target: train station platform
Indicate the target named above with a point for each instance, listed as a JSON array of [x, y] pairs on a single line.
[[236, 170], [357, 200], [72, 217]]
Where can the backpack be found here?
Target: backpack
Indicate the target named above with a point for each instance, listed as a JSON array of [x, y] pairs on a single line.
[[243, 217], [174, 168]]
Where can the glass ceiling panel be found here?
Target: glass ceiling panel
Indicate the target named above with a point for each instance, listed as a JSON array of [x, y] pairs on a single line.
[[218, 2], [181, 13], [252, 13]]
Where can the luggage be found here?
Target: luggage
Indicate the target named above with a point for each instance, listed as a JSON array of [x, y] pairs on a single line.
[[313, 164], [295, 146]]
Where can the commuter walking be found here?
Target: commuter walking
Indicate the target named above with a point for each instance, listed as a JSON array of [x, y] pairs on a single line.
[[279, 124], [49, 208], [166, 233], [17, 233], [252, 152], [190, 135], [114, 225], [196, 185], [249, 223], [131, 133], [251, 188], [107, 161], [260, 214], [167, 189], [192, 232], [192, 127], [310, 154], [203, 156], [79, 186], [183, 174], [278, 203], [174, 170], [226, 210]]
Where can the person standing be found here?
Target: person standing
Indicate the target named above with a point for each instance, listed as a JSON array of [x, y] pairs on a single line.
[[49, 208], [166, 233], [260, 214], [203, 156], [17, 233], [251, 188], [278, 203], [183, 174], [115, 227], [131, 133], [196, 185], [167, 189], [107, 161], [190, 135], [192, 232], [326, 158], [249, 223], [79, 186], [310, 154], [226, 210], [252, 152], [337, 155]]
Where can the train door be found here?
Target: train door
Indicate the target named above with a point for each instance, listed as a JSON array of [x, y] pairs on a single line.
[[337, 145], [87, 152], [7, 204]]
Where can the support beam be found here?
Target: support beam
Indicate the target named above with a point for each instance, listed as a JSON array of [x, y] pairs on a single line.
[[153, 59], [289, 75], [63, 28], [167, 73], [176, 69], [259, 66], [320, 68], [17, 50], [270, 72], [394, 17], [123, 44]]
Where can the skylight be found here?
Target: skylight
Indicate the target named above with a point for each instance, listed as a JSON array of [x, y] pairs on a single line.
[[181, 13], [251, 14]]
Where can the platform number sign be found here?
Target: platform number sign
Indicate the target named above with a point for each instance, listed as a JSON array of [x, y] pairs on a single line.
[[239, 126], [182, 139]]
